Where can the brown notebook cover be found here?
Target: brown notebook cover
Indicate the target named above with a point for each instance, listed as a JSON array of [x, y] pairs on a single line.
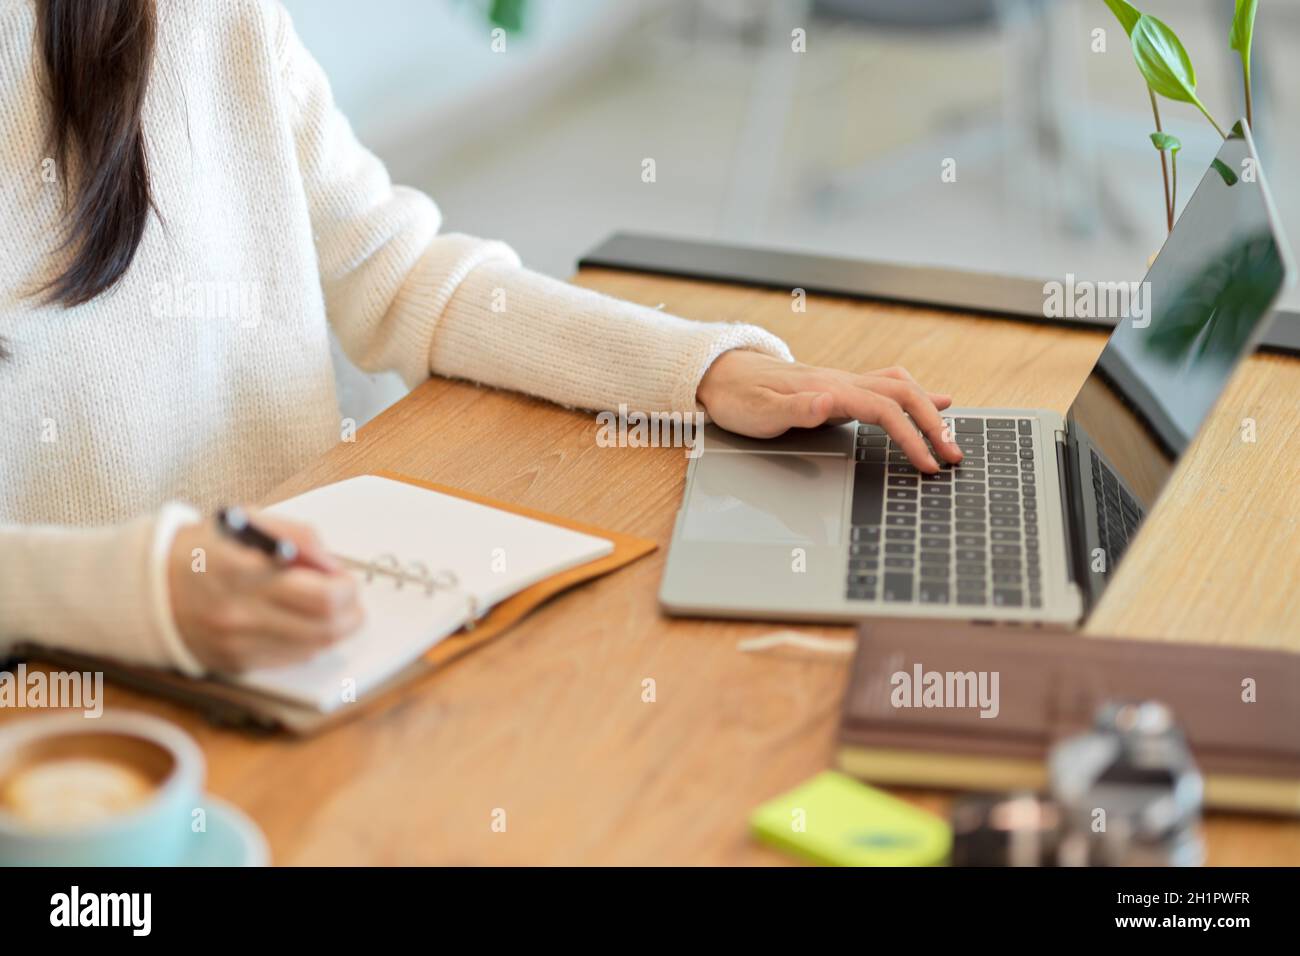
[[230, 704], [1049, 687]]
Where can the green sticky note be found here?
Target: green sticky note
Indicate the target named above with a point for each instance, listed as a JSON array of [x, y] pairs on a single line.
[[835, 820]]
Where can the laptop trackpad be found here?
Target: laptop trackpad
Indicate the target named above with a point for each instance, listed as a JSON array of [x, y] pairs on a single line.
[[767, 498]]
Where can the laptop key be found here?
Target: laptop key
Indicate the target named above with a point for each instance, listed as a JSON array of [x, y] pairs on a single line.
[[1005, 597], [934, 571], [1000, 423], [933, 593], [868, 483], [970, 597], [1024, 426], [900, 534], [971, 425], [899, 563], [934, 527], [897, 587], [970, 527]]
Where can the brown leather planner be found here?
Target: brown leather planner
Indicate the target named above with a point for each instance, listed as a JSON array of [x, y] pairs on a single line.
[[1239, 707], [228, 704]]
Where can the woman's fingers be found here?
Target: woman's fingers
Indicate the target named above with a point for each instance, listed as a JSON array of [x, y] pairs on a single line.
[[894, 420], [940, 400], [917, 404], [307, 633], [309, 592], [878, 408]]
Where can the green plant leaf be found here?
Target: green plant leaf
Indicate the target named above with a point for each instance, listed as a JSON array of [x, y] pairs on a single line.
[[507, 14], [1163, 61], [1165, 64], [1166, 141], [1126, 13], [1243, 27], [1225, 172]]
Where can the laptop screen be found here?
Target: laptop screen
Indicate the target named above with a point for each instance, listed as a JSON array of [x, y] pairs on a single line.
[[1179, 335]]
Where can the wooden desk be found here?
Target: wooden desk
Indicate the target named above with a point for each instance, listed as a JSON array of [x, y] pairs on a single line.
[[549, 724]]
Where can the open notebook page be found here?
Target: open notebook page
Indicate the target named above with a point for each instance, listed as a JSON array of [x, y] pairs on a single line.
[[492, 553]]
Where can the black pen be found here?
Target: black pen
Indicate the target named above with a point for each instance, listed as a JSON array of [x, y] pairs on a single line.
[[235, 523]]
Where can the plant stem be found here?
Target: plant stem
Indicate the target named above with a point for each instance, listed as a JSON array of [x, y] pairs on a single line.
[[1164, 165], [1173, 201], [1206, 114], [1245, 76]]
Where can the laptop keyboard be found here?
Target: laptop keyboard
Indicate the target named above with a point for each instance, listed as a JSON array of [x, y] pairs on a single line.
[[1118, 514], [966, 536]]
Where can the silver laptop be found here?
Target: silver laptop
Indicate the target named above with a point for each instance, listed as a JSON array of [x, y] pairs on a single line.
[[835, 524]]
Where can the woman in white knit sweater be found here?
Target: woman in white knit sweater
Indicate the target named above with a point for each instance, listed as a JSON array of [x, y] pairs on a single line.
[[149, 151]]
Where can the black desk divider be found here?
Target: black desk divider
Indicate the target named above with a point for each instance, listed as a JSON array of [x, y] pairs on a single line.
[[981, 293]]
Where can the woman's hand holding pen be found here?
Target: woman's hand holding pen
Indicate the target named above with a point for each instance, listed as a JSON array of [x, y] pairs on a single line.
[[238, 608], [756, 395]]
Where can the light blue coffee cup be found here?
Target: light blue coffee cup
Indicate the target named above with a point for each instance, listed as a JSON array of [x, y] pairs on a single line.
[[155, 833]]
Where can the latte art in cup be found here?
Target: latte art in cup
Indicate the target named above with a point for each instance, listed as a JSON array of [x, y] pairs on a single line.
[[121, 790], [77, 779], [74, 791]]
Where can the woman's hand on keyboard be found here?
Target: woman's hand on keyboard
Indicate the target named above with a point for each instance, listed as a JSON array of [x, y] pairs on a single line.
[[756, 395]]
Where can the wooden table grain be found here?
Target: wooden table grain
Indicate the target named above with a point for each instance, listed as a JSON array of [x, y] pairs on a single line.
[[548, 729]]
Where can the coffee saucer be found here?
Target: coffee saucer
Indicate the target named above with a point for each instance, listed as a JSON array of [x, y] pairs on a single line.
[[231, 838]]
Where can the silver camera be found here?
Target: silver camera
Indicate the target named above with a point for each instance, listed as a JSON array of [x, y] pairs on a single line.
[[1126, 793]]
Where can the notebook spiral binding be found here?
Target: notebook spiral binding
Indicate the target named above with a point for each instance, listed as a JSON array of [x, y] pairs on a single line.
[[415, 573]]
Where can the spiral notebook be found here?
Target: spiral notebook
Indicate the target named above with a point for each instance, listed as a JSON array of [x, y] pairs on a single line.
[[428, 564]]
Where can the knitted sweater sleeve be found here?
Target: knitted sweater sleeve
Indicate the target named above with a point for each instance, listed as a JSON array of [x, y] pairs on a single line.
[[101, 591], [402, 296]]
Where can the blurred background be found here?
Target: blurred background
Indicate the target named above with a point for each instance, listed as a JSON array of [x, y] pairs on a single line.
[[837, 149]]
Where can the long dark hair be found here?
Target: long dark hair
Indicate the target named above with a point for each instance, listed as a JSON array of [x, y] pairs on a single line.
[[98, 55]]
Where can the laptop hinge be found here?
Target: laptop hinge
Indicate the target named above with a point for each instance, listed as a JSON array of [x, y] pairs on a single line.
[[1074, 539]]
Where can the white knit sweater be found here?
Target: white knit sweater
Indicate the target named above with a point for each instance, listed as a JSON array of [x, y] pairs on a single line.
[[205, 376]]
